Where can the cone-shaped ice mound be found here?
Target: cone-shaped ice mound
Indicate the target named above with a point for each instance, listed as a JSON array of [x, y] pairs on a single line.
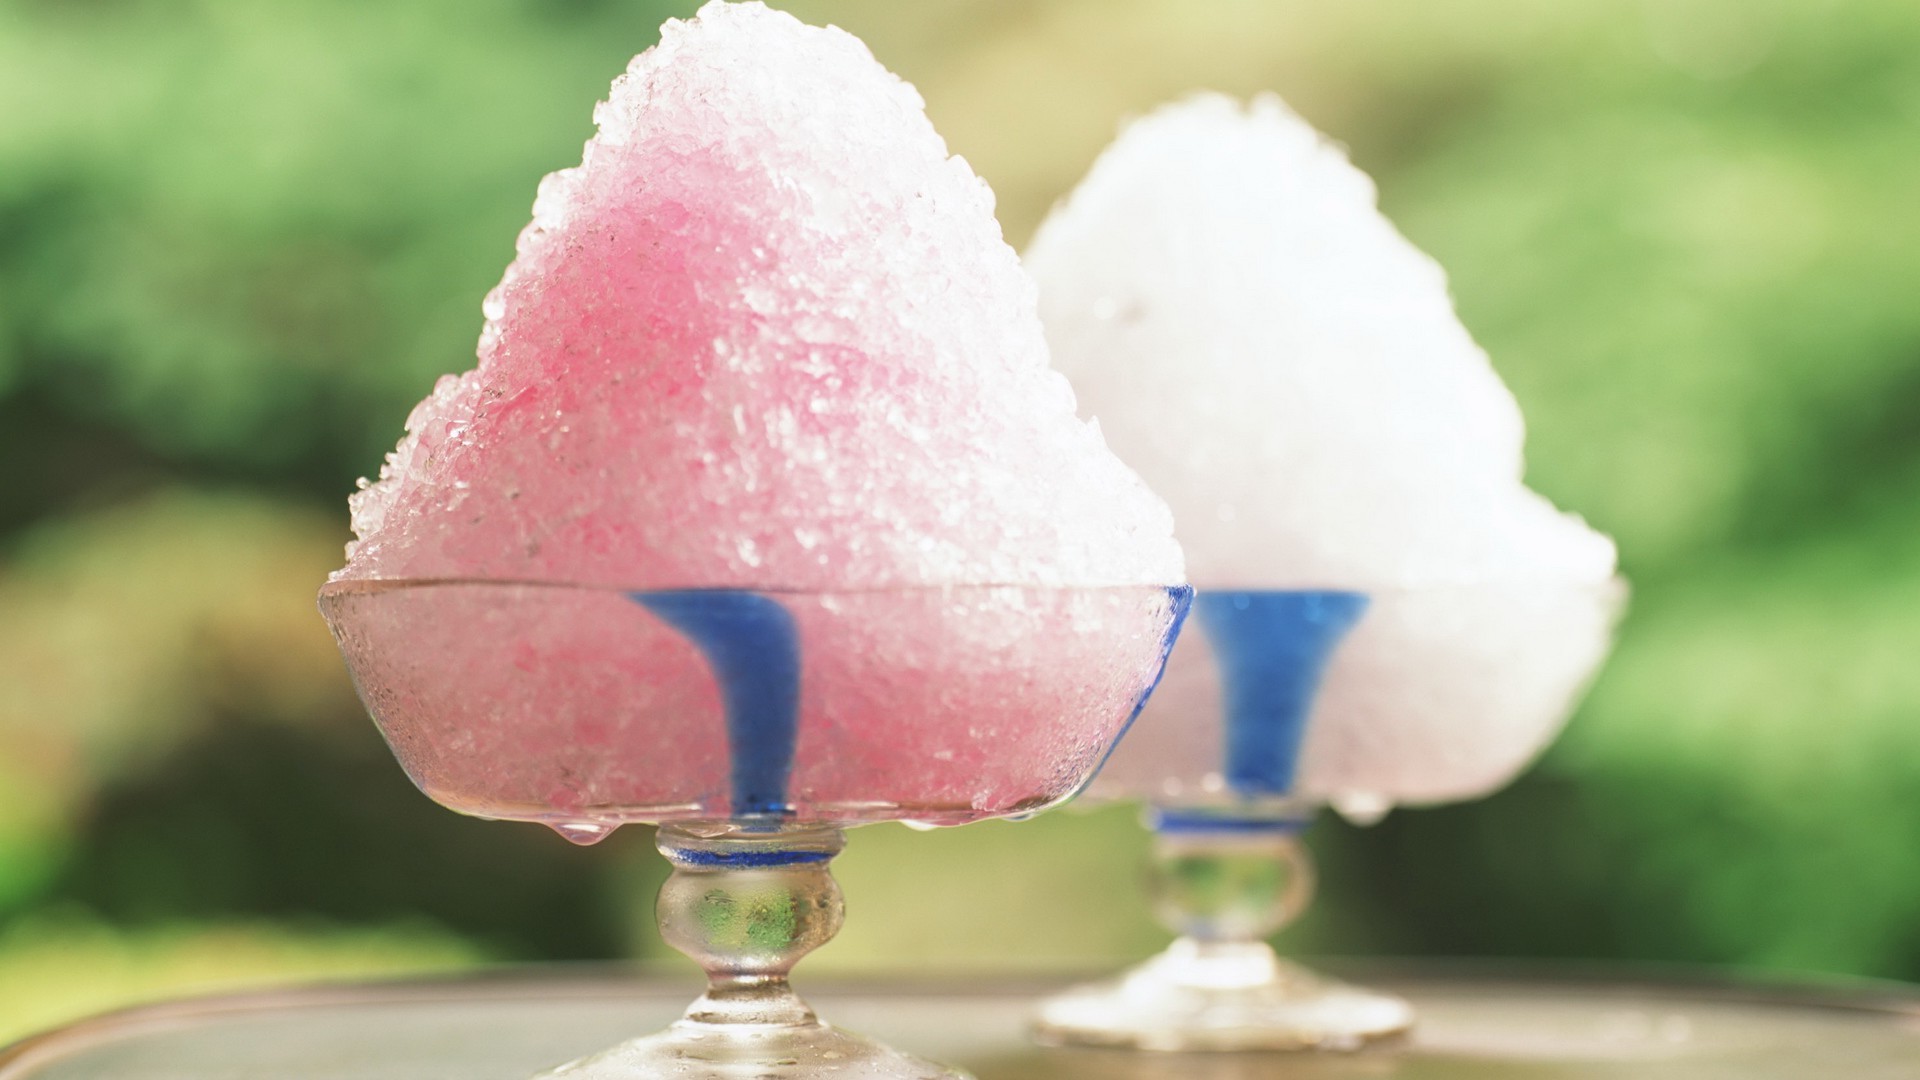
[[1285, 368], [1288, 371], [766, 334]]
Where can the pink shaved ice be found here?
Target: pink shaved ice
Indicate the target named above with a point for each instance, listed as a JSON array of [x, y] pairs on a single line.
[[766, 335]]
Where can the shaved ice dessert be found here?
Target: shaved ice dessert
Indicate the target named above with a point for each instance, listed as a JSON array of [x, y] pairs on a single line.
[[1287, 370], [762, 499], [761, 516], [1384, 612]]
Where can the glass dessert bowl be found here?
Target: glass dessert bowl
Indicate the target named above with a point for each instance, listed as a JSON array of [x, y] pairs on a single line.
[[1275, 704], [753, 727]]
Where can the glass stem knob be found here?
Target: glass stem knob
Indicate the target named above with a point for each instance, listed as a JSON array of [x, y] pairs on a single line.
[[746, 900], [746, 906], [1224, 893], [1224, 885]]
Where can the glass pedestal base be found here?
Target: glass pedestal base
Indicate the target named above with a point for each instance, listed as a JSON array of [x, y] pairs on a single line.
[[723, 1039], [1221, 996]]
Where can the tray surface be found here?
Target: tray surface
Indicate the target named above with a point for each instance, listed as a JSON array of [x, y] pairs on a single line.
[[1471, 1028]]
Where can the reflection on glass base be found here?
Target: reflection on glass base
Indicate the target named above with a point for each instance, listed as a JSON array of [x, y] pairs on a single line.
[[1221, 996], [722, 1039]]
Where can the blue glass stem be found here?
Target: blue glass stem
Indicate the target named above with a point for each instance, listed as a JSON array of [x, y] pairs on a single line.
[[750, 642], [1272, 648]]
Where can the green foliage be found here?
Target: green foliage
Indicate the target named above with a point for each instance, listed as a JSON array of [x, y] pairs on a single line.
[[1701, 289], [237, 241], [1689, 245], [250, 236]]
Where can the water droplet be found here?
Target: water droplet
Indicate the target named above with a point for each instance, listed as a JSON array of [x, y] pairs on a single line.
[[583, 833], [1362, 807]]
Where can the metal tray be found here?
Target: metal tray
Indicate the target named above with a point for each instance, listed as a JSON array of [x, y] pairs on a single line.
[[1473, 1026]]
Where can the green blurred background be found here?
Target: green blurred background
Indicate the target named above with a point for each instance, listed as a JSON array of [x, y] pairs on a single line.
[[239, 238]]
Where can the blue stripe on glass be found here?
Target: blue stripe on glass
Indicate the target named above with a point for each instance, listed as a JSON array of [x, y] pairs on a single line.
[[1200, 821], [752, 647], [749, 858], [1272, 647], [1180, 599]]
